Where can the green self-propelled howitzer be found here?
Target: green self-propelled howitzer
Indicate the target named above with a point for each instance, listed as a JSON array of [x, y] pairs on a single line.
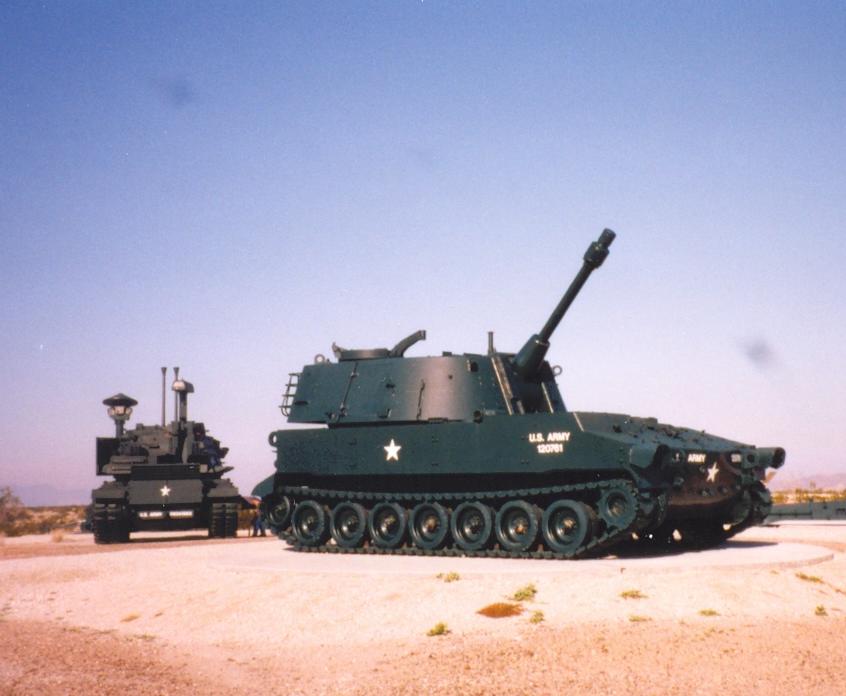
[[476, 454]]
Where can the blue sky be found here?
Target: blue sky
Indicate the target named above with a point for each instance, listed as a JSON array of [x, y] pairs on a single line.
[[231, 187]]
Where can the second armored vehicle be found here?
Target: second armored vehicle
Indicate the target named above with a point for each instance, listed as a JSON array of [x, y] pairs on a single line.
[[164, 477], [477, 454]]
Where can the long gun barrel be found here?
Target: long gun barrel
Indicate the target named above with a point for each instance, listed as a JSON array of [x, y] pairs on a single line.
[[531, 355]]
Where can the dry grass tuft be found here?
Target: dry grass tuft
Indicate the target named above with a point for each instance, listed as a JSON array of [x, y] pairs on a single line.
[[525, 593], [536, 617], [820, 611], [635, 618], [632, 594], [130, 617], [808, 578], [57, 536], [708, 612], [439, 629], [501, 610], [452, 576]]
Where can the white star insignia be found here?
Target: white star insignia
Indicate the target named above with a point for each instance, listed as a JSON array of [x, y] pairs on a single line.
[[165, 490], [392, 451], [712, 472]]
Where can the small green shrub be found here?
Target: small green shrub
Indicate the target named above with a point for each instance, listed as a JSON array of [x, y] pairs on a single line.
[[452, 576], [439, 629], [525, 593], [635, 618], [820, 611], [536, 617], [808, 578], [708, 612], [632, 594]]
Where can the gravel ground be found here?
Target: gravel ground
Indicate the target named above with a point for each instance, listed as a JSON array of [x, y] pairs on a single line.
[[185, 616]]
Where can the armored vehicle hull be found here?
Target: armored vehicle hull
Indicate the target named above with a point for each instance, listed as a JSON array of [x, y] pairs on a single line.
[[165, 478], [170, 501], [476, 454]]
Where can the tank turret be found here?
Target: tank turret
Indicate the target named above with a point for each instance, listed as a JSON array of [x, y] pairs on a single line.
[[376, 385], [477, 454]]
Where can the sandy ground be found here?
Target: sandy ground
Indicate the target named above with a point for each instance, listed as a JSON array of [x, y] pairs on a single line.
[[765, 614]]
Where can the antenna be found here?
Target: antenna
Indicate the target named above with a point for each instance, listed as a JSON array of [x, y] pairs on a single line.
[[175, 395], [164, 373]]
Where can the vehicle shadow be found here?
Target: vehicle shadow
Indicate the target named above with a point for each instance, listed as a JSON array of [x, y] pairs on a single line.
[[636, 549], [170, 539]]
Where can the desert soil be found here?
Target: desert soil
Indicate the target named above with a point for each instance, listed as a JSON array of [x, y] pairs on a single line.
[[185, 616]]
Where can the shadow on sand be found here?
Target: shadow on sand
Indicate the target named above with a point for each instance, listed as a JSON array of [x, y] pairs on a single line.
[[640, 550]]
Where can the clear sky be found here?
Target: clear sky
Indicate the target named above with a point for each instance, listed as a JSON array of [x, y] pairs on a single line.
[[230, 187]]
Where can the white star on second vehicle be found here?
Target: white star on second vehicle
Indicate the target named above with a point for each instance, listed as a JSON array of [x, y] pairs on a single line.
[[712, 472], [165, 490], [392, 451]]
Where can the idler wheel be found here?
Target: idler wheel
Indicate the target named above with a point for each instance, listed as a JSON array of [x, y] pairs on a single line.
[[516, 525], [428, 525], [618, 507], [309, 523], [387, 525], [741, 509], [762, 503], [278, 513], [567, 525], [348, 524], [471, 525]]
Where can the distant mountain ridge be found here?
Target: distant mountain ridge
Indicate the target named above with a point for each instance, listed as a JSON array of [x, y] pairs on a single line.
[[788, 481]]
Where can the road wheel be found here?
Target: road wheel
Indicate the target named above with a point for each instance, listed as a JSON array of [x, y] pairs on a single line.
[[566, 526], [516, 525], [348, 524], [309, 523], [471, 525], [428, 526], [618, 507], [387, 525], [277, 512]]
